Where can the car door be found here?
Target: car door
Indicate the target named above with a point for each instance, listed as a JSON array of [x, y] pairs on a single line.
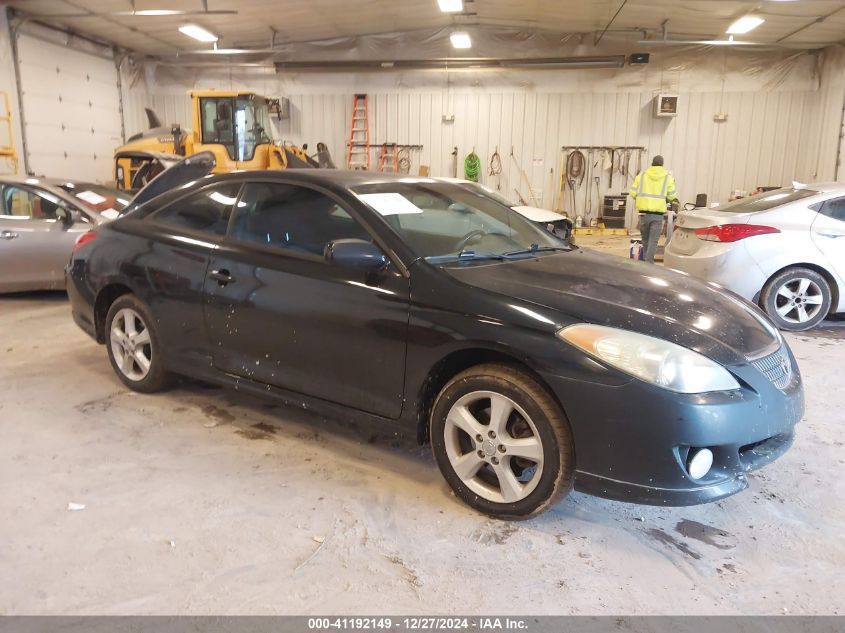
[[828, 234], [34, 246], [278, 313], [168, 271]]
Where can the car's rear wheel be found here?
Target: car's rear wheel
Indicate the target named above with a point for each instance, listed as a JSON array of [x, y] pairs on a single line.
[[502, 442], [796, 299], [133, 346]]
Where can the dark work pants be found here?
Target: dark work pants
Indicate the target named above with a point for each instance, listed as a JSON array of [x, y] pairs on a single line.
[[651, 225]]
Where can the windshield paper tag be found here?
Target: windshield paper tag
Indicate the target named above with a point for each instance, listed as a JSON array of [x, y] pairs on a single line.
[[389, 203]]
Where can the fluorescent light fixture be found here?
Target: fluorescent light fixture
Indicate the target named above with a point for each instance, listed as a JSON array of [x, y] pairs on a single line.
[[156, 12], [460, 39], [198, 33], [451, 6], [744, 25]]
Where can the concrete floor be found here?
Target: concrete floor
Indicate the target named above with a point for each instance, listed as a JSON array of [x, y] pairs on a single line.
[[202, 501]]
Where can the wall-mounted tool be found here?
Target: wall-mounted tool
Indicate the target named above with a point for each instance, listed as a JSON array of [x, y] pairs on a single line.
[[524, 176], [496, 168]]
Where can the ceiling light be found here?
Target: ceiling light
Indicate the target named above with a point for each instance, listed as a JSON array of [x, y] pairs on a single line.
[[451, 6], [745, 24], [198, 33], [460, 39], [156, 12]]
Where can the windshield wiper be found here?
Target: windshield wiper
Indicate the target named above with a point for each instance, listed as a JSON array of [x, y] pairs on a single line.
[[534, 248], [465, 256]]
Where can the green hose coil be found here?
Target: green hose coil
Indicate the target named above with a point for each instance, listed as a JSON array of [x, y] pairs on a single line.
[[472, 167]]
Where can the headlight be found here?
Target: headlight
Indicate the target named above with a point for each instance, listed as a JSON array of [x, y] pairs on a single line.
[[651, 359]]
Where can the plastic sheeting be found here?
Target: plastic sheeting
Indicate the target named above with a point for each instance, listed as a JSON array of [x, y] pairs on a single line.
[[689, 68]]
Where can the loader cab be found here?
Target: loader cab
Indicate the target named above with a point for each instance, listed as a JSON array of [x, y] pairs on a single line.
[[233, 126]]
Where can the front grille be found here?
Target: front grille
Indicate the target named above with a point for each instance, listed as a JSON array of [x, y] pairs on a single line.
[[776, 367]]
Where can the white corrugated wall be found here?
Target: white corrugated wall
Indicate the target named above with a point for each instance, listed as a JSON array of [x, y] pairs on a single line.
[[765, 140]]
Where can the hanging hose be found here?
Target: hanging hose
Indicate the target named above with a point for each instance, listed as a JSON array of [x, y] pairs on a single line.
[[472, 166], [575, 164], [574, 174], [496, 168]]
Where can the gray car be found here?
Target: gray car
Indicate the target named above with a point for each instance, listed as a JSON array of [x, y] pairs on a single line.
[[40, 219]]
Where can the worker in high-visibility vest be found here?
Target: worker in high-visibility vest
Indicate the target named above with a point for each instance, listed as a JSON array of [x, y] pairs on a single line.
[[652, 190]]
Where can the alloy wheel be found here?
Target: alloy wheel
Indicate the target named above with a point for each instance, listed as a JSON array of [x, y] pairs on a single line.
[[131, 344], [493, 446], [798, 300]]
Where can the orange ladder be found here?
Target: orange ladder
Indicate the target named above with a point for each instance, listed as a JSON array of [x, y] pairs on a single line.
[[358, 148], [8, 151], [389, 158]]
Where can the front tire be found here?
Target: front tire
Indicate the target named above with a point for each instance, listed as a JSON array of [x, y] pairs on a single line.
[[133, 346], [502, 442], [796, 299]]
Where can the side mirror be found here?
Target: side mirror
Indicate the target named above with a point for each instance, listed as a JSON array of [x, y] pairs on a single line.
[[354, 253]]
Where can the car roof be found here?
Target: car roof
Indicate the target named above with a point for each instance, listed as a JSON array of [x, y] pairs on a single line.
[[11, 179], [343, 177], [827, 187]]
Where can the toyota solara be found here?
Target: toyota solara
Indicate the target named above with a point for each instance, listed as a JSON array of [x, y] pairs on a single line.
[[531, 366]]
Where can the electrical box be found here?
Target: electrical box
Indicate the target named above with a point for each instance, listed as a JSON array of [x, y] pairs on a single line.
[[666, 105], [280, 107]]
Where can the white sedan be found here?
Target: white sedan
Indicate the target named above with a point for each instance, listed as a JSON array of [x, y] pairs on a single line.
[[783, 250]]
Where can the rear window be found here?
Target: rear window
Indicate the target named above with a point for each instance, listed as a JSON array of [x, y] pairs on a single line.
[[101, 199], [766, 201]]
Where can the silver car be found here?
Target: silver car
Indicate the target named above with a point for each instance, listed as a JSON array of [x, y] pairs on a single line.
[[40, 219], [783, 250]]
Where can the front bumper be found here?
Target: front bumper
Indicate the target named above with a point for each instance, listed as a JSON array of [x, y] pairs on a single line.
[[632, 441]]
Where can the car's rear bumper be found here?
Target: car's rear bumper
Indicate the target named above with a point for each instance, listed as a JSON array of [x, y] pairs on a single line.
[[632, 442], [731, 267], [81, 300]]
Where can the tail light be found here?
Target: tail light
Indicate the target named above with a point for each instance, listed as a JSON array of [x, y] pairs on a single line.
[[83, 239], [733, 232]]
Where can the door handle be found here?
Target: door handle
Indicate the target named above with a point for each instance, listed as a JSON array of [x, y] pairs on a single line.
[[8, 235], [832, 235], [222, 276]]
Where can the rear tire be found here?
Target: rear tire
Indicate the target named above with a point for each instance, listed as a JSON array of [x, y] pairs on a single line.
[[502, 442], [796, 299], [134, 347]]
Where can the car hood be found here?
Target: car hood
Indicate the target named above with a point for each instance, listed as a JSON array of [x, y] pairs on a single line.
[[580, 286], [536, 214]]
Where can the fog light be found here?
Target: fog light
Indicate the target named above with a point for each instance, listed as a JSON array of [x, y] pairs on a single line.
[[699, 462]]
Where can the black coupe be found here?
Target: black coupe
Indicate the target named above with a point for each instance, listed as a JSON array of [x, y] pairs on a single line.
[[530, 365]]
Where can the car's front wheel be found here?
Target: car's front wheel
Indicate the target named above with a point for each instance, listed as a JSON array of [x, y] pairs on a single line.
[[796, 299], [502, 442], [133, 346]]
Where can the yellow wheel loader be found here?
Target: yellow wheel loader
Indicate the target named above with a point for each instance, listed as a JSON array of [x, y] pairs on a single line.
[[232, 125]]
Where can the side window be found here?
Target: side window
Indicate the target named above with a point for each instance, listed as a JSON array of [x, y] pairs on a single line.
[[27, 204], [292, 218], [834, 209], [207, 211], [218, 122]]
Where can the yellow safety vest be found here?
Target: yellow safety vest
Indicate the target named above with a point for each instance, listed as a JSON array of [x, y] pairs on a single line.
[[652, 189]]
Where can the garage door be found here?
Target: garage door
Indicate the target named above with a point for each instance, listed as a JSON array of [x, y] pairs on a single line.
[[71, 110]]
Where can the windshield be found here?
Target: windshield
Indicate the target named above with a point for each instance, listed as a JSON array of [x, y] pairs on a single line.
[[444, 221], [252, 123], [103, 200], [766, 201]]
